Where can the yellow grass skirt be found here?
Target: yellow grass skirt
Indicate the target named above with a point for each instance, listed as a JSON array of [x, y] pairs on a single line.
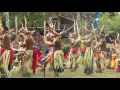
[[58, 60], [5, 59]]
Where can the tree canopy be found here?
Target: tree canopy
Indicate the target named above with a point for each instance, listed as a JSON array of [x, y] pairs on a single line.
[[37, 17]]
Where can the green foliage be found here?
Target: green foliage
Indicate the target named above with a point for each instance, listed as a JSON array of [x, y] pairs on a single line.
[[104, 20], [37, 17], [65, 44], [111, 24]]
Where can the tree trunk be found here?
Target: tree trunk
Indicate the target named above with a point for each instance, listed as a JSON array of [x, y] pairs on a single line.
[[79, 21]]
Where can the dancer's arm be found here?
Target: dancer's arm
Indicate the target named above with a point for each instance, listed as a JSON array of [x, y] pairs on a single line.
[[1, 37]]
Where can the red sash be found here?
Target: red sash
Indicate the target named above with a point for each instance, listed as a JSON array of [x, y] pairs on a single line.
[[97, 53], [50, 58], [83, 50], [66, 55], [34, 60], [40, 58], [11, 54], [49, 46], [74, 50]]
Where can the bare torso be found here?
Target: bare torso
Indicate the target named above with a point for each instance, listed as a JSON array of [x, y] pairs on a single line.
[[103, 46], [58, 44], [38, 39], [29, 41], [6, 42]]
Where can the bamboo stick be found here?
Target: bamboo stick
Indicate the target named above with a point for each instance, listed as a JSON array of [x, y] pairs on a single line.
[[16, 28], [25, 22], [101, 28], [94, 32], [44, 30], [0, 22]]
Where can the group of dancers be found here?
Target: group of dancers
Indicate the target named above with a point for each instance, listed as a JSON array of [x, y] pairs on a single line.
[[30, 50]]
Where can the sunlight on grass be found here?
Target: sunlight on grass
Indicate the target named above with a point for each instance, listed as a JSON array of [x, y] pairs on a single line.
[[109, 73]]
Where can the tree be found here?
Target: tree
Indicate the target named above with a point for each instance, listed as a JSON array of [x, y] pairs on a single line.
[[112, 24], [38, 17]]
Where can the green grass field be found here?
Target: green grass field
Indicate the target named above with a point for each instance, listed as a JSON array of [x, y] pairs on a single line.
[[108, 73]]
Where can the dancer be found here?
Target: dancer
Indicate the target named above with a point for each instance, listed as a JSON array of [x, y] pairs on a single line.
[[6, 53]]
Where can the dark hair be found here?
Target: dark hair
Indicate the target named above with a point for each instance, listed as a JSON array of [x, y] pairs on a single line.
[[6, 28], [37, 31], [47, 25]]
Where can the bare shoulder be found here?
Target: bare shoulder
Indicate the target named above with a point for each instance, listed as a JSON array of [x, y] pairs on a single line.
[[6, 36], [27, 38]]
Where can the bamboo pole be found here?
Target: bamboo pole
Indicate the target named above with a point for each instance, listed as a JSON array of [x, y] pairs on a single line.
[[94, 32], [0, 22], [25, 22], [16, 27], [101, 28], [7, 20], [44, 30], [68, 29], [75, 27]]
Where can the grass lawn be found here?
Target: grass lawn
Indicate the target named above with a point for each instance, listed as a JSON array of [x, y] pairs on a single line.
[[108, 73]]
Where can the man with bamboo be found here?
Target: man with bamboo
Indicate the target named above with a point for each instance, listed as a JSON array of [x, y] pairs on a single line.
[[103, 53], [29, 58], [87, 51], [29, 53], [96, 45], [47, 54], [58, 55], [73, 53], [53, 55], [38, 44], [6, 53]]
